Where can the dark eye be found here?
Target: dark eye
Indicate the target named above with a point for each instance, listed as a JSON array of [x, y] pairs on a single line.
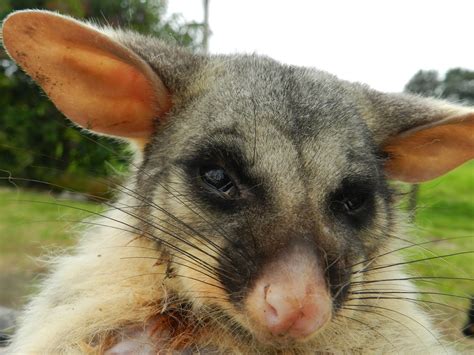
[[353, 203], [218, 179], [349, 202]]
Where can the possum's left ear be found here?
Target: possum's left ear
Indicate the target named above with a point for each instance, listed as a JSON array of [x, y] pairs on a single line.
[[423, 138], [95, 81]]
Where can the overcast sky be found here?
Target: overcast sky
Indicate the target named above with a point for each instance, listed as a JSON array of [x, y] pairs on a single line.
[[379, 42]]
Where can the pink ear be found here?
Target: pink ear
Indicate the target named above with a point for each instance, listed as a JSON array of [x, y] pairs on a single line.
[[430, 151], [95, 81]]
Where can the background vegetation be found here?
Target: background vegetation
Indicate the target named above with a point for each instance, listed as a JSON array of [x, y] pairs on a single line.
[[36, 141]]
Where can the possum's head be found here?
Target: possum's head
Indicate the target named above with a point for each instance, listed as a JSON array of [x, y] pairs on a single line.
[[265, 184]]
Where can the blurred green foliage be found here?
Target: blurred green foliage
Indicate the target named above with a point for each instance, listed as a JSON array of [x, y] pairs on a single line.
[[36, 141], [457, 85]]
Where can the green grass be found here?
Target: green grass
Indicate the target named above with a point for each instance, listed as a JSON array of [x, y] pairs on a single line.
[[32, 224], [447, 204], [445, 211]]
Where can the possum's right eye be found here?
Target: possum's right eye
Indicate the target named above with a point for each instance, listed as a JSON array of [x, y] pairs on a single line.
[[217, 179]]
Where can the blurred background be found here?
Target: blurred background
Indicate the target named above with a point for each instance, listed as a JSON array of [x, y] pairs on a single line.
[[52, 175]]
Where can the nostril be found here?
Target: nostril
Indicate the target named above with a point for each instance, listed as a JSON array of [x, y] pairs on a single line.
[[280, 312], [265, 291], [297, 314], [271, 313]]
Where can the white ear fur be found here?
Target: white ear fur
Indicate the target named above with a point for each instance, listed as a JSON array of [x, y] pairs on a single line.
[[95, 81]]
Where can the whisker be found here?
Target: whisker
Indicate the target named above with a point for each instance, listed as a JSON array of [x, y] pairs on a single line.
[[90, 196], [178, 275], [382, 315], [216, 227], [230, 276], [124, 189], [167, 232], [414, 261], [406, 316], [368, 326], [410, 292], [174, 262], [422, 278], [211, 269], [408, 300], [219, 250], [407, 247], [140, 232], [129, 192]]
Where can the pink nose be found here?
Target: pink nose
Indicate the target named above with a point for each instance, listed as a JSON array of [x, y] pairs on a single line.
[[297, 314], [290, 298]]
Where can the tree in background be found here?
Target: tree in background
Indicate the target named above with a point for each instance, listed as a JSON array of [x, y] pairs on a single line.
[[425, 83], [457, 85], [36, 141]]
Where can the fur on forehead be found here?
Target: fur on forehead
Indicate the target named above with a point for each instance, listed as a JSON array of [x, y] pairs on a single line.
[[303, 119]]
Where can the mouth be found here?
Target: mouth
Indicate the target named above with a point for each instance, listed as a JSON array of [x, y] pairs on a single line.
[[178, 329], [291, 301]]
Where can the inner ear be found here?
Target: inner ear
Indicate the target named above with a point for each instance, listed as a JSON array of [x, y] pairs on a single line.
[[95, 81], [429, 151]]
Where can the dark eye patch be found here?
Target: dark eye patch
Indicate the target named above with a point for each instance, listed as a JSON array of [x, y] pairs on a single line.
[[353, 202], [219, 175]]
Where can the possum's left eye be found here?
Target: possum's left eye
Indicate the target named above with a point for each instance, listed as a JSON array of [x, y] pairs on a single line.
[[353, 201], [218, 179], [349, 201]]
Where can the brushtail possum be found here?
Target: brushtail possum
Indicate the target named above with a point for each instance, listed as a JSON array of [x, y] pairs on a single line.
[[259, 216]]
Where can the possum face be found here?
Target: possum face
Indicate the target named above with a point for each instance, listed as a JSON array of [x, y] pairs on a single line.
[[263, 185], [284, 189]]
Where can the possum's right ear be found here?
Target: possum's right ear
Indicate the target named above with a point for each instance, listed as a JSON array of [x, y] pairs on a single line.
[[95, 81]]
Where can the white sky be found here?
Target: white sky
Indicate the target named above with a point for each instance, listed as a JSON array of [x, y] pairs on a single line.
[[382, 43]]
